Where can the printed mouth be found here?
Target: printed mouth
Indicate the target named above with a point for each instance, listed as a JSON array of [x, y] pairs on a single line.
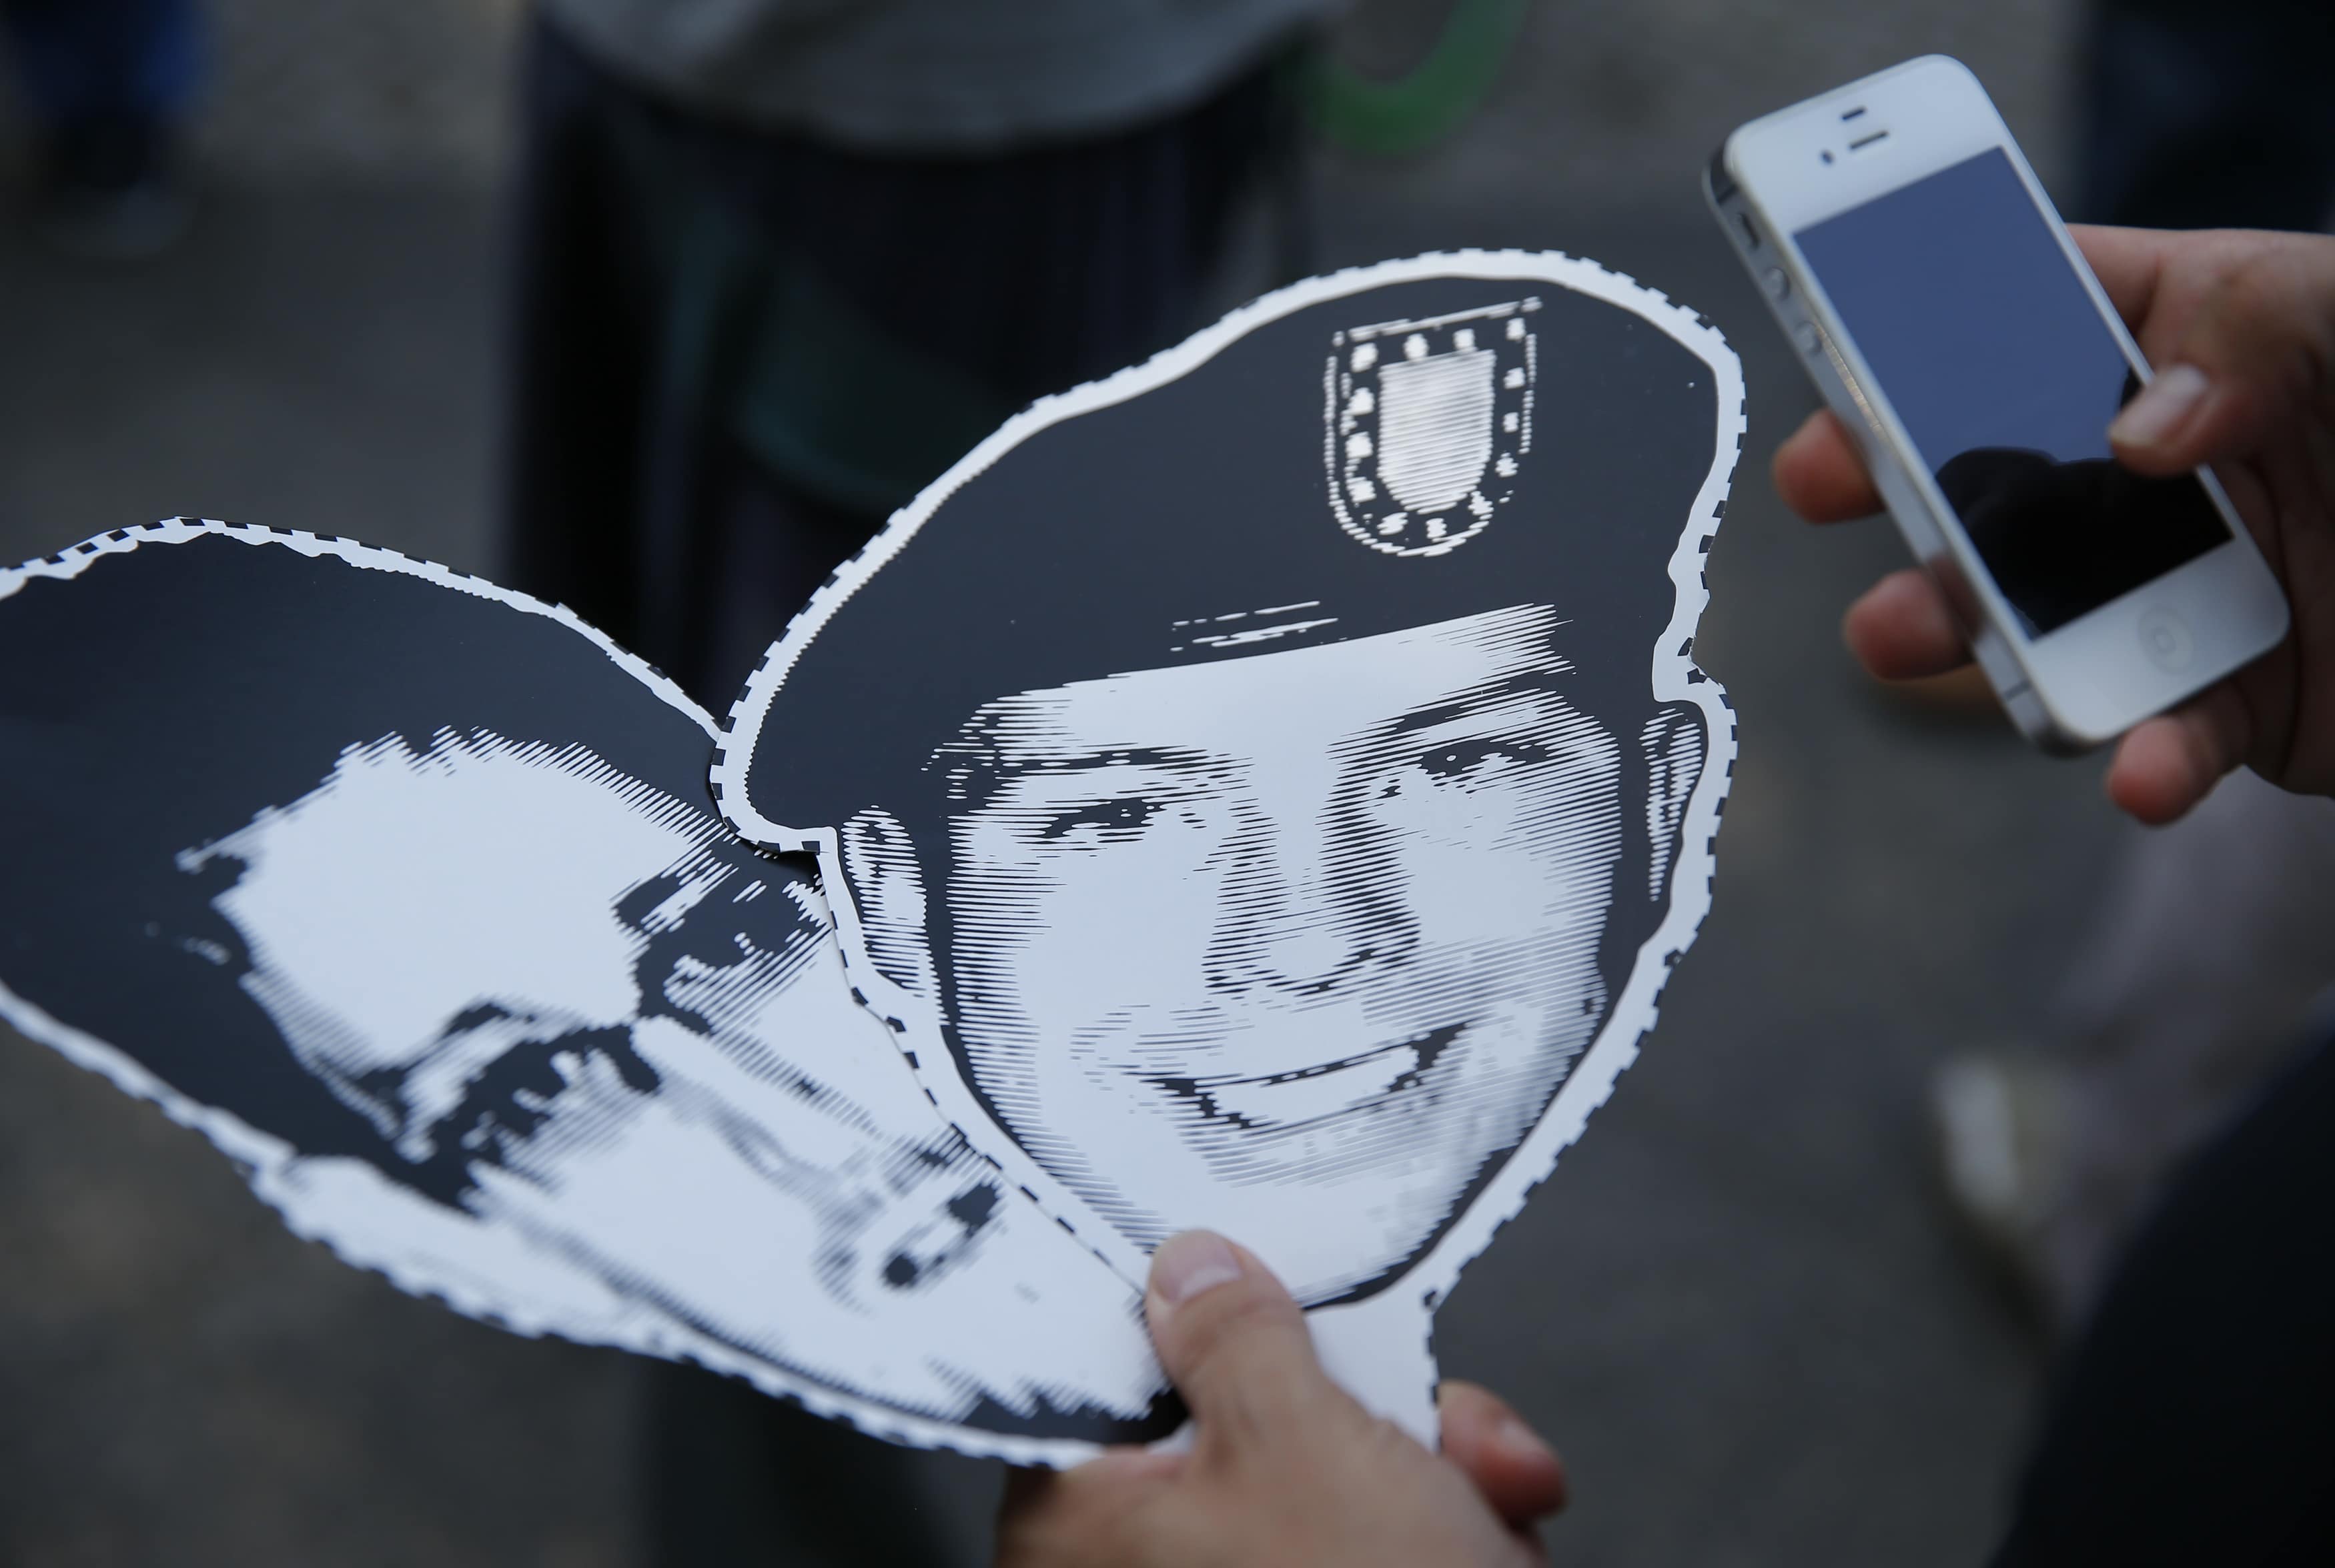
[[1280, 1101], [514, 1096]]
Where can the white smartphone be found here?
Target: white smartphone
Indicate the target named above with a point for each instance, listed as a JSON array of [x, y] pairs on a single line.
[[1909, 253]]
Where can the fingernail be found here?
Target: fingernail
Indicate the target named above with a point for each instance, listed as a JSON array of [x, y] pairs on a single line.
[[1520, 1442], [1187, 1264], [2163, 407]]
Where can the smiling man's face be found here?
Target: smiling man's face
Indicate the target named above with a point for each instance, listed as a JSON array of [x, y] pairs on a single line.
[[1289, 945]]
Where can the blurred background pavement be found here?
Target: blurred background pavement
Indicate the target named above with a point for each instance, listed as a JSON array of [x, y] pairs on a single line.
[[1734, 1307]]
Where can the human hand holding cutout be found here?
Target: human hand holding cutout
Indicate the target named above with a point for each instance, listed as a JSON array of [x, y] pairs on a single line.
[[1284, 1467], [2241, 326]]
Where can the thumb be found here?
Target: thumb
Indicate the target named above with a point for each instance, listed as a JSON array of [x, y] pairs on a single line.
[[2244, 366], [1514, 1471], [1235, 1342]]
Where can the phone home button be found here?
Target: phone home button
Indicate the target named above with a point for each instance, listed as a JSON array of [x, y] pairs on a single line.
[[2164, 638]]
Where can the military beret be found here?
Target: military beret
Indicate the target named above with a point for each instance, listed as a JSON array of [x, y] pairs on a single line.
[[1333, 463]]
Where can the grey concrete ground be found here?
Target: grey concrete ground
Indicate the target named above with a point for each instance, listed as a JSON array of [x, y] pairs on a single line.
[[1733, 1305]]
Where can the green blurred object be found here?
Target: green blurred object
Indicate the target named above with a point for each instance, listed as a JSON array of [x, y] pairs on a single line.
[[1391, 119]]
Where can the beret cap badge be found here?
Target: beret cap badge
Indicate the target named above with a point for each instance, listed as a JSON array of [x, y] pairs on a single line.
[[1425, 424]]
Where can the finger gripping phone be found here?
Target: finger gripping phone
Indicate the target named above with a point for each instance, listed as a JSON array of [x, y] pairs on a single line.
[[1911, 256]]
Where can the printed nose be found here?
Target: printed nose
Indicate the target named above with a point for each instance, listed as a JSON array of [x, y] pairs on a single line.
[[1311, 957], [1307, 913]]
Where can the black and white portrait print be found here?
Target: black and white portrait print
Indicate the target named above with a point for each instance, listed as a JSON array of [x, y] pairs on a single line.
[[410, 894], [1264, 790], [1267, 789]]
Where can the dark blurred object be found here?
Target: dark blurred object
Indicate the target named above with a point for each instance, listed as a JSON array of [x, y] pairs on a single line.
[[735, 1476], [2210, 941], [737, 348], [2208, 114], [1415, 111], [110, 83], [2191, 1424], [779, 264]]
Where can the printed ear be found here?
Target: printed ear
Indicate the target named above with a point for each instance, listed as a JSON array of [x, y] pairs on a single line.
[[887, 888], [1673, 745]]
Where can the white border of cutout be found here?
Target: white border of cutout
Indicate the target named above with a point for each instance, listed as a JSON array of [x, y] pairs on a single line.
[[268, 1164], [1674, 678]]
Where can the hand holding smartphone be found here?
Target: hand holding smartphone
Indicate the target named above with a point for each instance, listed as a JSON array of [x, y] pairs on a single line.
[[1954, 328]]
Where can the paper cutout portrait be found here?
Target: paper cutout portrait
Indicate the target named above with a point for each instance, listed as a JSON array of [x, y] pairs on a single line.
[[409, 894], [1267, 789]]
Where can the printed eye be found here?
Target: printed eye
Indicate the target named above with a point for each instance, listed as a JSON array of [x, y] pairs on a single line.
[[1121, 816], [1464, 759]]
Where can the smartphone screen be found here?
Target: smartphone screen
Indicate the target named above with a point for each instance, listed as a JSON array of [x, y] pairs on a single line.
[[1996, 360]]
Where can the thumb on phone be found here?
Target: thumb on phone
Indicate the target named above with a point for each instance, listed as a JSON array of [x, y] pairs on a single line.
[[2242, 367]]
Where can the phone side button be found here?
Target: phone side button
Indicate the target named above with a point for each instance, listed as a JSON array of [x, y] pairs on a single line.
[[1811, 340], [2164, 638]]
